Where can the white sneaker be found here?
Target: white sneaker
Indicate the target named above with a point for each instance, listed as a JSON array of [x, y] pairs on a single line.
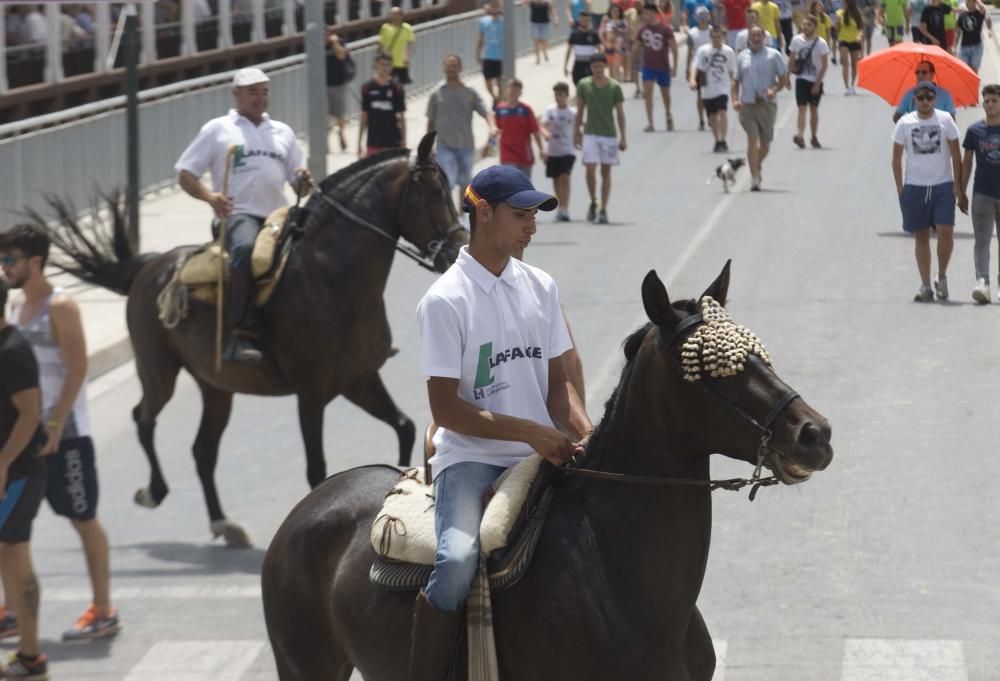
[[981, 294], [847, 92], [924, 295], [941, 288]]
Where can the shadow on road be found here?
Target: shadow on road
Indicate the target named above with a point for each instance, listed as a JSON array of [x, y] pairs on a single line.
[[201, 559]]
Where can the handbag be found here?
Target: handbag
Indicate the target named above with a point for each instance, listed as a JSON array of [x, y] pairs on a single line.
[[799, 64]]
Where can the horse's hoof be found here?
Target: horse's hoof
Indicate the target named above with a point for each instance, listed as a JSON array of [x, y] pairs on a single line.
[[144, 498], [234, 535]]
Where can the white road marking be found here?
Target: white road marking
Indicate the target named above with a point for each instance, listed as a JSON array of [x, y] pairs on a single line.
[[879, 659], [721, 647], [156, 593], [603, 382], [196, 661]]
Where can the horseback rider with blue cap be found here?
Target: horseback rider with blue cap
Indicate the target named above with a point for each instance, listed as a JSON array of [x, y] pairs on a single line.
[[492, 338]]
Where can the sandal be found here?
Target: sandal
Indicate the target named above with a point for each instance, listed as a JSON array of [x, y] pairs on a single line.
[[815, 143], [670, 123], [799, 141]]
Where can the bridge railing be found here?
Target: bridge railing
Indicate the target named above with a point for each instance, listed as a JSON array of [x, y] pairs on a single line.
[[78, 151]]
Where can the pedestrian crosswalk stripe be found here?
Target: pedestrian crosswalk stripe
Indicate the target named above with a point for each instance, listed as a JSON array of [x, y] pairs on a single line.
[[196, 661], [721, 648], [879, 659], [154, 593]]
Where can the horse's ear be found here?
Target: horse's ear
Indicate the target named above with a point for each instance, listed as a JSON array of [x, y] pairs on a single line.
[[424, 150], [719, 289], [657, 303]]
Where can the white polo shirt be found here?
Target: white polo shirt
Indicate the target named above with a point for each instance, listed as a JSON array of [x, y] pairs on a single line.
[[496, 335], [267, 156]]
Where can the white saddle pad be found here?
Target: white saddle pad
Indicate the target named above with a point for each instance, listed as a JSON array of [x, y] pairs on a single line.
[[404, 529]]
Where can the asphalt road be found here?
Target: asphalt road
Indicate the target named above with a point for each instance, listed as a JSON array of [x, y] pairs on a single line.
[[882, 567]]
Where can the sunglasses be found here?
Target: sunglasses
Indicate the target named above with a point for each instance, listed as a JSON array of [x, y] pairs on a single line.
[[922, 73], [925, 98], [9, 260]]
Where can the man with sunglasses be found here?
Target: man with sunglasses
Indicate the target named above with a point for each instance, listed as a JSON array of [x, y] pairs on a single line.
[[929, 189], [944, 102]]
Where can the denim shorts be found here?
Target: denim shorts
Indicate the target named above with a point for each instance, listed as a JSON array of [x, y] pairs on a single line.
[[926, 206], [541, 31], [456, 164], [971, 55]]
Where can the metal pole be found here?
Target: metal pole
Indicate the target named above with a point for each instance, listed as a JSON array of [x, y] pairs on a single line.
[[509, 47], [131, 44], [315, 39]]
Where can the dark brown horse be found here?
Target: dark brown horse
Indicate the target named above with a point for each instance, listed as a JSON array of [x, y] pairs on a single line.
[[618, 566], [325, 327]]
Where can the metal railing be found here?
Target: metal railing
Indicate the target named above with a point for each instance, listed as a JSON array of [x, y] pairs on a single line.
[[78, 151]]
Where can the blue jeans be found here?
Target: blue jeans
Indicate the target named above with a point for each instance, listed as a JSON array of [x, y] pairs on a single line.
[[241, 233], [458, 512], [456, 164]]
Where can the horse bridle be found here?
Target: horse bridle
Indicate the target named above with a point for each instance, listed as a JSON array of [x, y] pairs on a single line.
[[434, 246], [764, 448]]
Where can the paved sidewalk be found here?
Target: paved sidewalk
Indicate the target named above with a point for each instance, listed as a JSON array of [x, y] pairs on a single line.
[[172, 218]]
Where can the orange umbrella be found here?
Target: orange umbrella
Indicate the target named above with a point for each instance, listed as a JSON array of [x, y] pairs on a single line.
[[889, 73]]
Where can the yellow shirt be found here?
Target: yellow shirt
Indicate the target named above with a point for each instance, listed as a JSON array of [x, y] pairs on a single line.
[[768, 13], [387, 36], [849, 32], [823, 28]]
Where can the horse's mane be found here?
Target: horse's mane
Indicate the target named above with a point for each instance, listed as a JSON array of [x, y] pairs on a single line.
[[631, 346], [343, 177]]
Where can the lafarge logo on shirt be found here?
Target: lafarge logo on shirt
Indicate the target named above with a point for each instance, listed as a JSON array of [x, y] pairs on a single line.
[[488, 361], [241, 154]]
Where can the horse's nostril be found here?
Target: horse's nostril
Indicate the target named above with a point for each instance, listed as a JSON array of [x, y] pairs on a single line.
[[810, 434]]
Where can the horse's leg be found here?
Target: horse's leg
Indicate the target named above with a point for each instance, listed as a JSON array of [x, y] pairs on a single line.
[[699, 653], [216, 407], [311, 424], [157, 374], [370, 394]]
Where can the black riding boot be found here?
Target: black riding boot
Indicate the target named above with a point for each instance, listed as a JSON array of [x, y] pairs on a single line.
[[435, 636], [239, 314]]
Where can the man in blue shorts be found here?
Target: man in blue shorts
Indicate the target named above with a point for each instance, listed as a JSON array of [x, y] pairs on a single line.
[[50, 319], [22, 479], [656, 39], [928, 191]]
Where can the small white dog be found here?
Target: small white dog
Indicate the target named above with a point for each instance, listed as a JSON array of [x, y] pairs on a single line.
[[727, 172]]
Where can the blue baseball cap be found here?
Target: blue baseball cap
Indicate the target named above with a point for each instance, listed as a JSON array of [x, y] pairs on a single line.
[[508, 184], [925, 85]]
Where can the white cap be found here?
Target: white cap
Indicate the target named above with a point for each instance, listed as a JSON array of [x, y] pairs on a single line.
[[702, 11], [251, 76]]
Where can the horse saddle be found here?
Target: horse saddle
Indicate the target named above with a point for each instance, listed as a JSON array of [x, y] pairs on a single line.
[[199, 271], [403, 532]]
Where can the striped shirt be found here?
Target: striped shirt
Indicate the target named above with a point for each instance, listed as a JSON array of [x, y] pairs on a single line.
[[758, 71], [52, 370]]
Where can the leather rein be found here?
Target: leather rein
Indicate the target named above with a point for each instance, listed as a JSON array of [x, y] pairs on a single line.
[[425, 260], [764, 449]]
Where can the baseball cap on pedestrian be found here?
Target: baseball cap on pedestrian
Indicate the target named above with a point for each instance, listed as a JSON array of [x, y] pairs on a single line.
[[925, 85], [507, 184], [702, 11], [251, 76]]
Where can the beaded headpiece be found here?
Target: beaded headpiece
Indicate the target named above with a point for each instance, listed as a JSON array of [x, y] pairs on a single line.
[[719, 347]]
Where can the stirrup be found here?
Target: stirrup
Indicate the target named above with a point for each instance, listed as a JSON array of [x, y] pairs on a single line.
[[243, 350]]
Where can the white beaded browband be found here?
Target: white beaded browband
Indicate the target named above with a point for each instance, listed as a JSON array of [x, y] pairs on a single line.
[[719, 347]]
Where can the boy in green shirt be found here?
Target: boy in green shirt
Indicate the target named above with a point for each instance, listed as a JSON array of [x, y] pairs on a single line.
[[600, 99]]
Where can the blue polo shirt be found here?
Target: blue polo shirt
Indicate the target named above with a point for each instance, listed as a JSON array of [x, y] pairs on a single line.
[[943, 102]]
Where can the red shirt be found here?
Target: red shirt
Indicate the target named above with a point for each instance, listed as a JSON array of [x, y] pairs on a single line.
[[656, 40], [736, 14], [516, 123]]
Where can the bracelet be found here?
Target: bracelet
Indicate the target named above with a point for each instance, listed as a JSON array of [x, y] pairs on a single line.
[[54, 424]]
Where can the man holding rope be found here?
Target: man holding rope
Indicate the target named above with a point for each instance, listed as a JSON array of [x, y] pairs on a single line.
[[256, 155]]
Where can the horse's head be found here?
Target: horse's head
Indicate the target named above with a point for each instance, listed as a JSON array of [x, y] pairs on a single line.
[[429, 219], [724, 394]]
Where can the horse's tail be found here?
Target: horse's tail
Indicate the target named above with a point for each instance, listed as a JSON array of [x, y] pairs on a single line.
[[97, 252]]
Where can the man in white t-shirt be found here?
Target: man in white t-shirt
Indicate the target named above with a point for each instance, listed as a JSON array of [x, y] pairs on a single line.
[[927, 193], [698, 36], [492, 340], [809, 55], [266, 155], [715, 65], [558, 120]]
